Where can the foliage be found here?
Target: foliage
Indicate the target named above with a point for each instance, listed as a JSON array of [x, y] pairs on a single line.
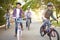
[[33, 4], [2, 20], [4, 5], [26, 5], [55, 23]]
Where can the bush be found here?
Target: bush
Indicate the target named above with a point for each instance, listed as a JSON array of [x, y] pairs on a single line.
[[55, 24], [2, 20]]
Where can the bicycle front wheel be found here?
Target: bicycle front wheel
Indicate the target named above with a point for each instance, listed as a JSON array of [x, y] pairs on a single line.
[[28, 23], [54, 35]]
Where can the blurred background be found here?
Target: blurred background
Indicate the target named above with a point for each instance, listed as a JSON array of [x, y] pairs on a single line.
[[37, 7]]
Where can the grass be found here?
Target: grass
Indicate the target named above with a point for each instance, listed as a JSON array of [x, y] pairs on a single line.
[[55, 23]]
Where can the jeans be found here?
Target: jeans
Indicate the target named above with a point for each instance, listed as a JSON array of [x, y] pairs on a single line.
[[17, 21], [46, 22]]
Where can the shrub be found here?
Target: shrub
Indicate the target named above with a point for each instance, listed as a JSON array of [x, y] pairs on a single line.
[[2, 19]]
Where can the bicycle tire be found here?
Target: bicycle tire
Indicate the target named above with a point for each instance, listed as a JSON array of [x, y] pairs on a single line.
[[41, 28], [56, 33], [28, 23]]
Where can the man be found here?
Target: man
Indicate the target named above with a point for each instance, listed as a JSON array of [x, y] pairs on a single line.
[[28, 15], [47, 14], [17, 14]]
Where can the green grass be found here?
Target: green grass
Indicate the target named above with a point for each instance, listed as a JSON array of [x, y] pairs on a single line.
[[55, 23]]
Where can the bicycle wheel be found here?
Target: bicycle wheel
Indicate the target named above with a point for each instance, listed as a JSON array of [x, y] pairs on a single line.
[[6, 24], [19, 32], [28, 23], [56, 37], [42, 32]]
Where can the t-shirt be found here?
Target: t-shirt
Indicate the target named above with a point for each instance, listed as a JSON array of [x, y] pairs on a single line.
[[48, 13], [28, 15], [7, 15], [17, 13]]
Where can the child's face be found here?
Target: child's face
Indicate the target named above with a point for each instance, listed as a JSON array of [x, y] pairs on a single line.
[[18, 6], [50, 8], [28, 9]]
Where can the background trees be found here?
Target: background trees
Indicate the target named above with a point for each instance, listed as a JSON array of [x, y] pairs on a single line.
[[4, 5], [33, 4]]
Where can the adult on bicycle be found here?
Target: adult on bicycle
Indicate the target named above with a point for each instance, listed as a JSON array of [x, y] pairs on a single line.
[[47, 14], [17, 15], [28, 16]]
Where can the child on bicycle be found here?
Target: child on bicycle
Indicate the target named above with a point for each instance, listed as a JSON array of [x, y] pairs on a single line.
[[28, 15], [7, 16], [47, 14], [17, 15]]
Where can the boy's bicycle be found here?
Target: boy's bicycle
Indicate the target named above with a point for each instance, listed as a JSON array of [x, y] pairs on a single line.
[[28, 23], [51, 33]]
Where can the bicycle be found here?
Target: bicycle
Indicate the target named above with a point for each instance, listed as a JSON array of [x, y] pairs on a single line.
[[19, 31], [28, 23], [7, 24], [52, 31]]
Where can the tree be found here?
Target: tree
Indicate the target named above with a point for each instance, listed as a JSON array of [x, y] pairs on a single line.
[[4, 5], [33, 4]]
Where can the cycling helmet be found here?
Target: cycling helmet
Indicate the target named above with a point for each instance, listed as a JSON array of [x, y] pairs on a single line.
[[50, 4]]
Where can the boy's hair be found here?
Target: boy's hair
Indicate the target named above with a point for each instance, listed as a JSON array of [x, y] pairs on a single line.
[[18, 3]]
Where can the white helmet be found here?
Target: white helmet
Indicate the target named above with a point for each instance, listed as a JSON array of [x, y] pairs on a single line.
[[50, 4]]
